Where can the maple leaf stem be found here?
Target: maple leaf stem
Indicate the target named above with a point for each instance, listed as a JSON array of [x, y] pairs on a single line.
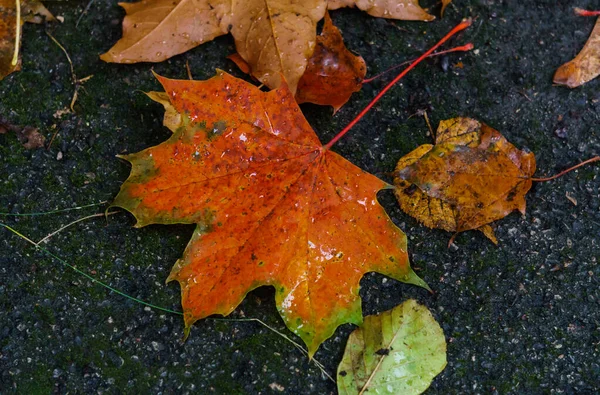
[[462, 48], [562, 173], [461, 26], [15, 58], [582, 12]]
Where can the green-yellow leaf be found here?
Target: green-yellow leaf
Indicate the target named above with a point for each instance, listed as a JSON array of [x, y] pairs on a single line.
[[399, 351]]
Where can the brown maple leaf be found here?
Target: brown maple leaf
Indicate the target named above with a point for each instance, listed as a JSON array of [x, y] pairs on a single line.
[[333, 73], [471, 177], [271, 204], [12, 16], [585, 66], [274, 38]]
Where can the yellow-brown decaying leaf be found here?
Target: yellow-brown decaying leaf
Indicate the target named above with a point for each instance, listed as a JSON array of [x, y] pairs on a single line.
[[10, 30], [408, 10], [470, 178], [585, 66], [273, 37]]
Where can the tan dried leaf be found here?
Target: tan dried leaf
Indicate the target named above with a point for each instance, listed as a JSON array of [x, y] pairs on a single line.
[[585, 66], [407, 10], [273, 37]]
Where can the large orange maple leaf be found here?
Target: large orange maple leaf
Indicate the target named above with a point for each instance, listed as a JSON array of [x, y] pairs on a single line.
[[271, 204]]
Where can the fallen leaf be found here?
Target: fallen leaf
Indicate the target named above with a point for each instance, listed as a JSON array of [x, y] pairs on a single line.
[[273, 38], [585, 66], [33, 11], [333, 73], [471, 177], [28, 136], [10, 30], [408, 10], [399, 351], [271, 204]]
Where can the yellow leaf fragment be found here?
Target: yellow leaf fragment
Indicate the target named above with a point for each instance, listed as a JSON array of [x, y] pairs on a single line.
[[172, 119]]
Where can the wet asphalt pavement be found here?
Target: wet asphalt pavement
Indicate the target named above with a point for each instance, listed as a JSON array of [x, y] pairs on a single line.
[[522, 317]]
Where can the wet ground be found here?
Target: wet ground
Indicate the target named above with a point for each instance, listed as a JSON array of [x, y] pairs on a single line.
[[522, 317]]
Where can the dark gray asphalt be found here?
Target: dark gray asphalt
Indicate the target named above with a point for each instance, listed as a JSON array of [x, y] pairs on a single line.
[[522, 317]]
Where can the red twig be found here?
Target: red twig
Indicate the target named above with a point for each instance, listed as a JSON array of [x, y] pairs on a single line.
[[462, 48], [461, 26], [582, 12], [562, 173]]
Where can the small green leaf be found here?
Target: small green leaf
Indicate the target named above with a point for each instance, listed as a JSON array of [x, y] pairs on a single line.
[[399, 351]]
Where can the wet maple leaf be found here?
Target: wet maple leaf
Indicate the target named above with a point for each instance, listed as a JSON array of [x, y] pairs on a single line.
[[271, 204], [585, 66], [408, 10], [333, 73], [272, 37], [399, 351], [12, 17], [471, 177]]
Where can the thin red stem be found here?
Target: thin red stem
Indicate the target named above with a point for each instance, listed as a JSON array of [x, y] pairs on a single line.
[[582, 12], [562, 173], [462, 48], [461, 26]]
